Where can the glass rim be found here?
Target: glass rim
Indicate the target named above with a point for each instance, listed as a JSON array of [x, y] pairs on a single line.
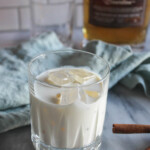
[[62, 51]]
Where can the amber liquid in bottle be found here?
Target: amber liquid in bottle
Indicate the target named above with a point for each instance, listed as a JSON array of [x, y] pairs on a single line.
[[126, 32]]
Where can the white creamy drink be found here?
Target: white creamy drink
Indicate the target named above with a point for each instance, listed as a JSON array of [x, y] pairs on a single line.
[[71, 113]]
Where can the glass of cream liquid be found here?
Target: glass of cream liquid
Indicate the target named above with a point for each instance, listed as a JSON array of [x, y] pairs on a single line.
[[68, 95]]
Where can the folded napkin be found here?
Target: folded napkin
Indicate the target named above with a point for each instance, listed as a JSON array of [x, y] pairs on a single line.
[[128, 68]]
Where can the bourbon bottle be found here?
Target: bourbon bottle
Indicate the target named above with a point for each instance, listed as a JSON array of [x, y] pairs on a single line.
[[116, 21]]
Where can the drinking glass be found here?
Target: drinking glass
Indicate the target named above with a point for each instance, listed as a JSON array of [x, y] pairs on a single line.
[[52, 15], [76, 125]]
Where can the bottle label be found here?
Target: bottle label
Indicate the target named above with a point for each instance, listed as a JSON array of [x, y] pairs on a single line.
[[117, 13]]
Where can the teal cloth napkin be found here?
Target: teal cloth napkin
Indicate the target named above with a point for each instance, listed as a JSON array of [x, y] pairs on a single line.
[[128, 68]]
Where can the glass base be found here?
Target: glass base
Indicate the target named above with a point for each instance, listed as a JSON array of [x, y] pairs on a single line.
[[39, 145]]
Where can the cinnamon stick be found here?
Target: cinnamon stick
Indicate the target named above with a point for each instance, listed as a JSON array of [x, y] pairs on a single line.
[[130, 128], [148, 148]]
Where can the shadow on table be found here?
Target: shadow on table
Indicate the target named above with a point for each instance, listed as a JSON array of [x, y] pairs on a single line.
[[17, 139]]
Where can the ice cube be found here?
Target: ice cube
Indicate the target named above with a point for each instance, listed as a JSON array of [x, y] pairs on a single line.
[[88, 97], [69, 95], [82, 96], [93, 94], [60, 77], [80, 75]]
